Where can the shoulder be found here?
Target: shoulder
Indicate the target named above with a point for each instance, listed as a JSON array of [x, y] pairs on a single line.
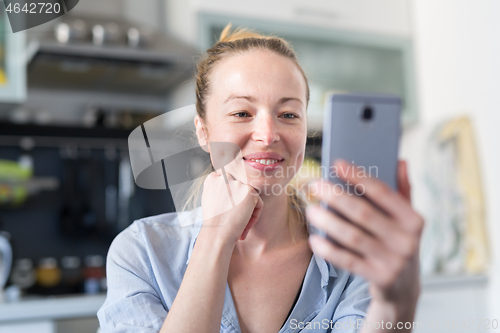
[[155, 238], [145, 266], [170, 226]]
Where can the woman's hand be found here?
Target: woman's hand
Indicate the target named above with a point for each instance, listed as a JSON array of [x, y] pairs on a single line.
[[380, 242], [231, 222]]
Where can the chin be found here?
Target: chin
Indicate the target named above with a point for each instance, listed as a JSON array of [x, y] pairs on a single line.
[[268, 186]]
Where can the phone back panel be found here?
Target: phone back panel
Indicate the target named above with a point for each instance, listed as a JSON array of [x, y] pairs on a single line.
[[369, 143]]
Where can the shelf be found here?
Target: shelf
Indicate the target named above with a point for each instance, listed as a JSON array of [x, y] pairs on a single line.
[[59, 136], [454, 281], [51, 308], [62, 131]]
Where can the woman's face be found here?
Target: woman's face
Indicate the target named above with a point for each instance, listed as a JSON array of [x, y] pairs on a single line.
[[257, 100]]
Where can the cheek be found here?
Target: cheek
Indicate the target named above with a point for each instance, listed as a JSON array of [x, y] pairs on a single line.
[[296, 146], [225, 132]]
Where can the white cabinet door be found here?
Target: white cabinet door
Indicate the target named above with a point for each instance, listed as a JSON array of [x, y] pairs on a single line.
[[387, 17], [46, 326], [454, 309]]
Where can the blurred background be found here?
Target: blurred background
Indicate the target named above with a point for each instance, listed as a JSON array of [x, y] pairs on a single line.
[[72, 90]]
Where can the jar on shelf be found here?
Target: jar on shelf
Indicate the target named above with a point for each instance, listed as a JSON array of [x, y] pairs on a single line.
[[23, 274], [72, 275], [94, 273], [48, 274]]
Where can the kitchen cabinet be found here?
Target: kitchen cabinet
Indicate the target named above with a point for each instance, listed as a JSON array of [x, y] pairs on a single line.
[[12, 63], [334, 59], [385, 17], [357, 45], [448, 302]]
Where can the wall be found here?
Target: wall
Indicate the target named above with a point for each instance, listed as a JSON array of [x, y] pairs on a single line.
[[457, 54], [180, 20], [456, 57]]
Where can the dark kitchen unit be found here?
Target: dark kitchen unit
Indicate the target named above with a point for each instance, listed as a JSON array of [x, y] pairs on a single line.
[[83, 100]]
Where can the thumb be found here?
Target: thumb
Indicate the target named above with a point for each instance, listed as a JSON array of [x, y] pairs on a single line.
[[404, 187]]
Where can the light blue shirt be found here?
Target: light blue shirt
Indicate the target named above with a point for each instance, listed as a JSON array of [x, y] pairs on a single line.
[[147, 261]]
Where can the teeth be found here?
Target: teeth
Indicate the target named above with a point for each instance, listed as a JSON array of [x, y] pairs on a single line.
[[265, 162]]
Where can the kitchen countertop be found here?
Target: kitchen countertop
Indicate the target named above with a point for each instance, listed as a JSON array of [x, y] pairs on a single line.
[[440, 282], [55, 307], [74, 306]]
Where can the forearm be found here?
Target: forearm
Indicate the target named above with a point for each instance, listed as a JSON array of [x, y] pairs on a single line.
[[383, 318], [200, 299]]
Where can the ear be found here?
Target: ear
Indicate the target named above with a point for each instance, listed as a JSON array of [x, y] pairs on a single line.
[[201, 133]]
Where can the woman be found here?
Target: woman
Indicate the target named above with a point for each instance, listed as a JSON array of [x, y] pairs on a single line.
[[249, 267]]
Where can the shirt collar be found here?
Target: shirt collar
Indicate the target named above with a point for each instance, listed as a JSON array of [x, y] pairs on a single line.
[[326, 269], [313, 296]]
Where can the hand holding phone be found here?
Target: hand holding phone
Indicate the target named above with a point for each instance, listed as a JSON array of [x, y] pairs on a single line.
[[375, 235]]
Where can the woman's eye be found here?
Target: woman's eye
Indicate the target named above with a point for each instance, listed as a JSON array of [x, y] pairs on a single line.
[[241, 114], [289, 116]]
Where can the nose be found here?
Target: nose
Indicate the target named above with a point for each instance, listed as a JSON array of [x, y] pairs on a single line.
[[266, 129]]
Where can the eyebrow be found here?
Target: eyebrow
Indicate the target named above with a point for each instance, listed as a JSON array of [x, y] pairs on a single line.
[[253, 99]]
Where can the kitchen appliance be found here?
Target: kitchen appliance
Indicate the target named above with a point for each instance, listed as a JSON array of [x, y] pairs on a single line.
[[107, 55], [5, 261]]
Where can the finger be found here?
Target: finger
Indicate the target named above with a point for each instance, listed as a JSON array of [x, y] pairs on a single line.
[[346, 234], [229, 176], [379, 225], [382, 195], [256, 213], [244, 234], [338, 256], [254, 218], [353, 208], [403, 181]]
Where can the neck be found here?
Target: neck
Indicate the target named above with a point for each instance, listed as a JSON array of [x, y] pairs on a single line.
[[271, 232]]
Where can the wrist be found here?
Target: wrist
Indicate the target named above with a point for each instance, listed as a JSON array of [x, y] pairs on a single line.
[[394, 312], [215, 240], [401, 302]]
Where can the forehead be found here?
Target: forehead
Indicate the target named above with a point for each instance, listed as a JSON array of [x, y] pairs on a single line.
[[260, 73]]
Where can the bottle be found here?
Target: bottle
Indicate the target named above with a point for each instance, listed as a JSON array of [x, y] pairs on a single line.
[[72, 274], [93, 273]]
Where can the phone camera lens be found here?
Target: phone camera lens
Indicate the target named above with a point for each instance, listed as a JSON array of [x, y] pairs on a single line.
[[367, 113]]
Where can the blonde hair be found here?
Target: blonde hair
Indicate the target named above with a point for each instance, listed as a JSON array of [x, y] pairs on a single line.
[[239, 41]]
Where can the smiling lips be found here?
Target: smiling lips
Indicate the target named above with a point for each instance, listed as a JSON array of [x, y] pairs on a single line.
[[264, 161]]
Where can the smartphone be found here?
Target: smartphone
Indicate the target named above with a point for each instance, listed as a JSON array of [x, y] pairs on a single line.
[[363, 129]]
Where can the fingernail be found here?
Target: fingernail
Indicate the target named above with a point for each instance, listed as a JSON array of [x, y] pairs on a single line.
[[315, 242], [339, 162]]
